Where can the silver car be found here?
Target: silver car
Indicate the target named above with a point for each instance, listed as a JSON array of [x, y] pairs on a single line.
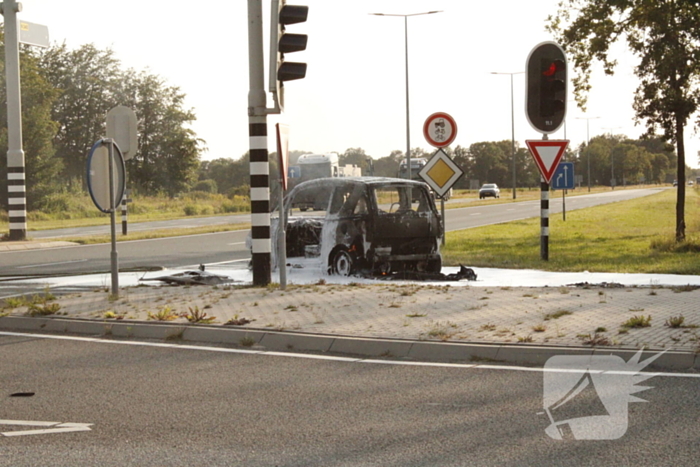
[[489, 189]]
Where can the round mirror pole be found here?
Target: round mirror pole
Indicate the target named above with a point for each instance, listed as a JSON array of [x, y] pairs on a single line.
[[114, 256]]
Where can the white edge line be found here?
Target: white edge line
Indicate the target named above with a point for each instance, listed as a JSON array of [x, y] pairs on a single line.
[[191, 266], [27, 423], [333, 358], [51, 264]]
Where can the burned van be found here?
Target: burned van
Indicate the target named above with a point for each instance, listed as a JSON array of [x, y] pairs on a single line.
[[370, 225]]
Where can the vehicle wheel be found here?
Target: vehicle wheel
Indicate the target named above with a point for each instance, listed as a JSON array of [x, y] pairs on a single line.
[[434, 266], [342, 263]]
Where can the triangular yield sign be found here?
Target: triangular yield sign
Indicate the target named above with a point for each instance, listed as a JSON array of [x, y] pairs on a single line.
[[547, 155]]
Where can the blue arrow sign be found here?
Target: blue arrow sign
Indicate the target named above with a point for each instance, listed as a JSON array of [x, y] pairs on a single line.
[[563, 178]]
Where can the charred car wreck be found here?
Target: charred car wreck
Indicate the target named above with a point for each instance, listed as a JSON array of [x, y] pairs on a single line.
[[371, 226]]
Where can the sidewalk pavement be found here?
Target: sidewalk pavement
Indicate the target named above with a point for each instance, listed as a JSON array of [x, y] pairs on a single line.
[[520, 325]]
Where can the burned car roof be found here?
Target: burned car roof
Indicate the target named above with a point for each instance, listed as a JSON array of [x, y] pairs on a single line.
[[370, 181]]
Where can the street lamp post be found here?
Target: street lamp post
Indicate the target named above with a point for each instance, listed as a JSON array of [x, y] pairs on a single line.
[[612, 158], [408, 120], [512, 121], [588, 149]]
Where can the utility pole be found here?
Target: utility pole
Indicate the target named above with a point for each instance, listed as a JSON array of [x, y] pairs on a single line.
[[512, 123], [588, 149], [16, 180], [612, 158], [408, 118]]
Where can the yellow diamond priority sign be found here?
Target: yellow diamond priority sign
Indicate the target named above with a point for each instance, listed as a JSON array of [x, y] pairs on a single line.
[[441, 173]]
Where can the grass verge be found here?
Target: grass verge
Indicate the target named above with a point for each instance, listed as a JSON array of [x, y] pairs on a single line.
[[629, 236]]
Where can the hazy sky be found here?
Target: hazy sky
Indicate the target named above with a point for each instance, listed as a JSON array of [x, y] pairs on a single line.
[[354, 92]]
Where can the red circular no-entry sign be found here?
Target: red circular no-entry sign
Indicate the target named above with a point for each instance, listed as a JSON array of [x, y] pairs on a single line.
[[440, 129]]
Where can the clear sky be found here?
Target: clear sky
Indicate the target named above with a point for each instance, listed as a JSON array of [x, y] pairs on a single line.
[[354, 92]]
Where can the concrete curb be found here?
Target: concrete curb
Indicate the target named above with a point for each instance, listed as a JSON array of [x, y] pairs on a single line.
[[34, 245], [256, 339]]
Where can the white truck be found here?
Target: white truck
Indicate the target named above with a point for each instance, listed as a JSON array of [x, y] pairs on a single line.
[[314, 166]]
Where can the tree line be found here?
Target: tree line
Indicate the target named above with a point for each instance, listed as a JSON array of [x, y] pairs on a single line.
[[66, 95], [631, 161]]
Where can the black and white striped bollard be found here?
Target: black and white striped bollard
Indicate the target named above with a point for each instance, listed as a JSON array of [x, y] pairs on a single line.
[[544, 220]]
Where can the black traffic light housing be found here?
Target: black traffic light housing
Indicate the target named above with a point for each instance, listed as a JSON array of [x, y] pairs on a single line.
[[282, 43], [546, 84]]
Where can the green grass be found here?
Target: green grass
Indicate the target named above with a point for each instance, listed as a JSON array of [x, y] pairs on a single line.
[[67, 210], [630, 236], [640, 321], [556, 315]]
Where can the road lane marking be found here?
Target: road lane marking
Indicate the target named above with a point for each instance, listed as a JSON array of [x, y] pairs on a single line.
[[128, 241], [237, 243], [52, 264], [55, 427], [96, 340], [213, 264]]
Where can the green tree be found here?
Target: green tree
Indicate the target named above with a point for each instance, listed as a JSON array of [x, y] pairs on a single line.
[[169, 150], [664, 36], [355, 156], [91, 81], [527, 173], [38, 130], [231, 175], [388, 166], [88, 80], [489, 162]]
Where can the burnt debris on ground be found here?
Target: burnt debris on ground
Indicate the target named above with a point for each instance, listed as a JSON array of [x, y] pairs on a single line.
[[200, 277], [463, 273]]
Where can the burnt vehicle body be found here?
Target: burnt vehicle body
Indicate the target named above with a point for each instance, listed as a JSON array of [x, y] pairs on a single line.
[[371, 224]]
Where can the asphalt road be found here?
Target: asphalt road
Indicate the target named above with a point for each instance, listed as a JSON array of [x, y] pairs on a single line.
[[496, 213], [230, 246], [134, 227], [464, 218], [182, 406]]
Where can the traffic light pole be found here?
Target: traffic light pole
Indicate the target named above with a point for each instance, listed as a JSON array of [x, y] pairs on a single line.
[[259, 166], [545, 108], [544, 220], [544, 216]]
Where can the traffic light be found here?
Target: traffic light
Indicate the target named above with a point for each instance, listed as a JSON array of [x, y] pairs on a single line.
[[282, 43], [546, 87]]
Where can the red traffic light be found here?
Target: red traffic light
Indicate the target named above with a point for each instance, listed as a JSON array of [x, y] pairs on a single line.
[[553, 68], [545, 85]]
